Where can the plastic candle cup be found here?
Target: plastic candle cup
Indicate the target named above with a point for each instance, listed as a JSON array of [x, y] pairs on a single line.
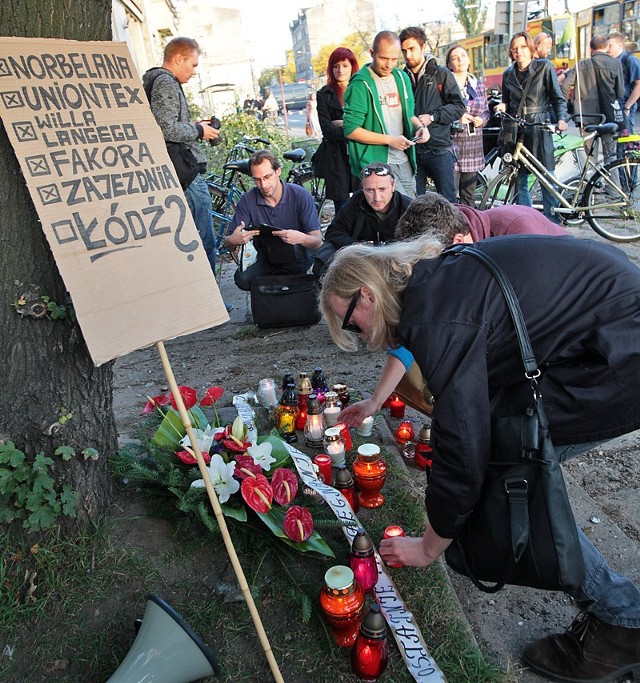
[[391, 532], [323, 461], [397, 407], [365, 428]]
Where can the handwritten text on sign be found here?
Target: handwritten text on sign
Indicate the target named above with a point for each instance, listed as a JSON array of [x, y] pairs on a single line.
[[106, 193]]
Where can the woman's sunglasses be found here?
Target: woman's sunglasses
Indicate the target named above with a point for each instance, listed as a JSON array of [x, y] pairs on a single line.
[[346, 325]]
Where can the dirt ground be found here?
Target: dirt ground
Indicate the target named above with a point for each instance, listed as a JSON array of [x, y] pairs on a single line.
[[603, 486]]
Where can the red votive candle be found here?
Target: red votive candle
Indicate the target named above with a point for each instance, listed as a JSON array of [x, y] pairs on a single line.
[[396, 407], [346, 435], [323, 461], [391, 532]]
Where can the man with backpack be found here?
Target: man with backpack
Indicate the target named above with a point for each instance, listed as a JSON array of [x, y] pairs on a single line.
[[631, 73], [163, 86], [438, 103]]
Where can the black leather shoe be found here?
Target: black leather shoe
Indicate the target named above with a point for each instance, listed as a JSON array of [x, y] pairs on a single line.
[[589, 651]]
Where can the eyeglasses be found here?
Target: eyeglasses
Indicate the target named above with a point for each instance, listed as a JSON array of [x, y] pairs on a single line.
[[379, 170], [346, 325]]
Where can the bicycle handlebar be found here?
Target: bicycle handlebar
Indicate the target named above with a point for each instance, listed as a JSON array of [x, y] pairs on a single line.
[[249, 138]]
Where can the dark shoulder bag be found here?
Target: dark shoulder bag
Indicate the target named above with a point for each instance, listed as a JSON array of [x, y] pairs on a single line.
[[187, 168], [522, 530]]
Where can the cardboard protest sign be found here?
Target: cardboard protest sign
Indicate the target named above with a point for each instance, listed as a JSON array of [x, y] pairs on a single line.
[[106, 192]]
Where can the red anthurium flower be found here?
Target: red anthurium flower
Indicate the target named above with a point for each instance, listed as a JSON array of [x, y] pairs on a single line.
[[155, 402], [285, 485], [190, 459], [211, 396], [246, 467], [188, 396], [298, 523], [257, 493], [230, 443]]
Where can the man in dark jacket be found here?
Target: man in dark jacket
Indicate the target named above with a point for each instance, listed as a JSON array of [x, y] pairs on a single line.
[[601, 89], [370, 215], [438, 103]]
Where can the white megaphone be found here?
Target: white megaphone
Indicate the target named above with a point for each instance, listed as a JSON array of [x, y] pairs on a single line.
[[166, 650]]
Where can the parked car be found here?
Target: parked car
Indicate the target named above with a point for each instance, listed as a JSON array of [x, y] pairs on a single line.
[[295, 95]]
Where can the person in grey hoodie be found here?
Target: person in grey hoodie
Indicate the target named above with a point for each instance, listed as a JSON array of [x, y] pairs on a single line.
[[170, 108]]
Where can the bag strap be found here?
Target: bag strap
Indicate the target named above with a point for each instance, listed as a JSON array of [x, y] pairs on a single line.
[[529, 361], [359, 224]]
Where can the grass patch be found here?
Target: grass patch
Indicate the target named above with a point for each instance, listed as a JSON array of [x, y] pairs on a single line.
[[247, 332]]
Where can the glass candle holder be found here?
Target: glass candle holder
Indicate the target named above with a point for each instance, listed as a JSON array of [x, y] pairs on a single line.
[[370, 653], [370, 473], [343, 482], [391, 532], [363, 562], [301, 419], [332, 408], [319, 384], [365, 428], [423, 452], [323, 461], [397, 407], [342, 601], [346, 435], [404, 433], [286, 414], [266, 393], [315, 426], [343, 394], [334, 446]]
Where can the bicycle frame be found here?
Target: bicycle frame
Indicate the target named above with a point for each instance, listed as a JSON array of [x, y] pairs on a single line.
[[525, 158]]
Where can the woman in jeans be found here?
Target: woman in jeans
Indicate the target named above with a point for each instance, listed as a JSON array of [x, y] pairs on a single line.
[[529, 89], [468, 140], [581, 304]]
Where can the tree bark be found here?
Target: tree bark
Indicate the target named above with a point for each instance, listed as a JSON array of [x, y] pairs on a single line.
[[46, 367]]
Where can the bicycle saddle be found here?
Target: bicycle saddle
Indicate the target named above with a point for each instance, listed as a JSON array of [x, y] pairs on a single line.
[[296, 155], [603, 129], [242, 166]]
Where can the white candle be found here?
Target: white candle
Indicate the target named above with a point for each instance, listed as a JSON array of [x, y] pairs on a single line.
[[365, 428], [336, 452], [331, 415]]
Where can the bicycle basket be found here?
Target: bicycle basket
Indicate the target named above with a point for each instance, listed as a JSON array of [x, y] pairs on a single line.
[[508, 136]]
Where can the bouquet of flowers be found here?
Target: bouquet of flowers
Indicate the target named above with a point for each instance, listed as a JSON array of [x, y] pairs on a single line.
[[244, 475]]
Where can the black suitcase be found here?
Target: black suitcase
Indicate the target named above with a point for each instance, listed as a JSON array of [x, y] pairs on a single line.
[[284, 300]]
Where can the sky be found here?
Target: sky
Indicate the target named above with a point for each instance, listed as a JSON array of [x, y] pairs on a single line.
[[267, 24]]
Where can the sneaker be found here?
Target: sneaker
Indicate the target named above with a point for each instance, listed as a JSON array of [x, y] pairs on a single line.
[[590, 650], [229, 307]]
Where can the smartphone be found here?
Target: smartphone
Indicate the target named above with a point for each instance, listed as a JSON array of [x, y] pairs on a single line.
[[471, 127], [415, 138]]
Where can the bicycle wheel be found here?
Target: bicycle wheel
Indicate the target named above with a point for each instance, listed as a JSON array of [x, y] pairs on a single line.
[[501, 190], [612, 196], [481, 188]]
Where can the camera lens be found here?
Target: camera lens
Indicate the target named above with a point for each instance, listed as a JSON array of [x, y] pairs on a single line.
[[215, 122]]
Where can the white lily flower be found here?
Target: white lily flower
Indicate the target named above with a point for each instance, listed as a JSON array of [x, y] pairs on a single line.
[[204, 437], [262, 455], [221, 476]]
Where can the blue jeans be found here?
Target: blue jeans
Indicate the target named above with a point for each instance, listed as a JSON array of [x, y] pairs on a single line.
[[606, 594], [523, 197], [439, 167], [199, 200]]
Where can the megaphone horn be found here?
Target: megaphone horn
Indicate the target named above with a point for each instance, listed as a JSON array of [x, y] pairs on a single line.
[[166, 650]]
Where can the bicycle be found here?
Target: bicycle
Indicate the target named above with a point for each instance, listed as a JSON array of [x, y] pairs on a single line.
[[607, 194]]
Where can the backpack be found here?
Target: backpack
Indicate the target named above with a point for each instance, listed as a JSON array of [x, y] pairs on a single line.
[[187, 168]]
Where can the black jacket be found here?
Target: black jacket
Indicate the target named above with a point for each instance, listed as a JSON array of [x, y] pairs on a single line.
[[340, 232], [543, 94], [601, 87], [436, 92], [339, 182], [581, 303]]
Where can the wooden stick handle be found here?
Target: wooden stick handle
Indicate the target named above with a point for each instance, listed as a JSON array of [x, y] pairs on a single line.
[[213, 498]]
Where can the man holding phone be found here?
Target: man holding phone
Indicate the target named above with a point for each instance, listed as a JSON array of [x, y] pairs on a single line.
[[289, 208]]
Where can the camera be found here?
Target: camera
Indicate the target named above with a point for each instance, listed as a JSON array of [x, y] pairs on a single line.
[[215, 122], [456, 127]]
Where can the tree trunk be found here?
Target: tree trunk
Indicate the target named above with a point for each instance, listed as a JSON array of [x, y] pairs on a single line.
[[46, 369]]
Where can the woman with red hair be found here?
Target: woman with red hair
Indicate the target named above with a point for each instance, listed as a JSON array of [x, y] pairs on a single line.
[[334, 161]]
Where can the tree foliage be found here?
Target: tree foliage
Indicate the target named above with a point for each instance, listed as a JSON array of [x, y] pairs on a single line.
[[472, 15], [358, 43]]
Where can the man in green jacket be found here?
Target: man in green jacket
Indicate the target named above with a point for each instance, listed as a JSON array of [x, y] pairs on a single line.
[[378, 115]]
